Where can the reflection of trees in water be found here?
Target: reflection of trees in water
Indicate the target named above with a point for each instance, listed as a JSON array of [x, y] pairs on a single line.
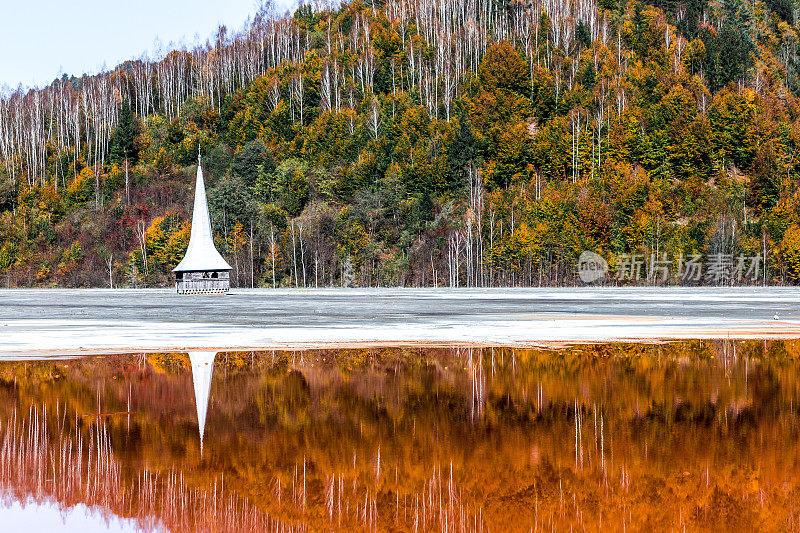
[[696, 434], [60, 459], [70, 465], [347, 501]]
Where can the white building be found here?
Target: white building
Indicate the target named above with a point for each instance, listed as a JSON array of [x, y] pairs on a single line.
[[202, 270]]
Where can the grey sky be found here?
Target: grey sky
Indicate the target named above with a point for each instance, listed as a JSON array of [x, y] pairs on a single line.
[[40, 39]]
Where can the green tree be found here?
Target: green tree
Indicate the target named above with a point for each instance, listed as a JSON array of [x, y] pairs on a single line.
[[290, 185], [460, 154], [255, 157], [123, 140], [731, 117], [230, 201], [733, 45], [764, 184]]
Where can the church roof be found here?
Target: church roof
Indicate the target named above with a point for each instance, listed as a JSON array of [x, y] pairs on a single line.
[[201, 254]]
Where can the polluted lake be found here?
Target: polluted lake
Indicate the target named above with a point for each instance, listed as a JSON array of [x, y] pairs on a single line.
[[694, 435]]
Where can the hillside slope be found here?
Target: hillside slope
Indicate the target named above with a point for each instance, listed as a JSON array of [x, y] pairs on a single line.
[[485, 142]]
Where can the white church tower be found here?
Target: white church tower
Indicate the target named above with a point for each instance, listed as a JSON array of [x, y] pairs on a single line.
[[202, 270]]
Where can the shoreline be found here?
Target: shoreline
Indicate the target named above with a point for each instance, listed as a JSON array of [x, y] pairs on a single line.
[[784, 332]]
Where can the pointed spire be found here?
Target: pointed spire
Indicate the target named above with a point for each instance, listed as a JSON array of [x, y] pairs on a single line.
[[202, 370], [201, 253]]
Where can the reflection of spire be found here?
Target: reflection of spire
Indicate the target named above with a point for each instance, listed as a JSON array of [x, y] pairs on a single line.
[[202, 368]]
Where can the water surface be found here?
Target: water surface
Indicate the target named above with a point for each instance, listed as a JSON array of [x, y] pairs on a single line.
[[697, 435]]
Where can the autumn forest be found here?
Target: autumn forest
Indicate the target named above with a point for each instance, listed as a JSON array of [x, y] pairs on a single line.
[[419, 143]]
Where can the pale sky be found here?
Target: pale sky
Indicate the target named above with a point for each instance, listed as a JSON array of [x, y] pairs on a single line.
[[41, 39], [48, 516]]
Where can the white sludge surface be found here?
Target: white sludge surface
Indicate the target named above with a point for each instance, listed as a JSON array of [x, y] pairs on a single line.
[[99, 320]]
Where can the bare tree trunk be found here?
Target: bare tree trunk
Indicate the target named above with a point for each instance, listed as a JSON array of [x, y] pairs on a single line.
[[272, 252], [127, 185], [140, 231], [110, 264], [294, 254], [252, 275], [302, 253]]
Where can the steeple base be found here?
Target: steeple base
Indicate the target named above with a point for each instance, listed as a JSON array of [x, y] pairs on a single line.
[[205, 282]]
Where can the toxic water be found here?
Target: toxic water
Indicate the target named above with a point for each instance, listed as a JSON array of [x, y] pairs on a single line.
[[689, 435]]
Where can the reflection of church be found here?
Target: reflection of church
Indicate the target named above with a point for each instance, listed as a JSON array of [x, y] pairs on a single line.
[[202, 369], [202, 270]]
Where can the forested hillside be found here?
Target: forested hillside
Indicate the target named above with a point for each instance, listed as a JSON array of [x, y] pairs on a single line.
[[420, 142]]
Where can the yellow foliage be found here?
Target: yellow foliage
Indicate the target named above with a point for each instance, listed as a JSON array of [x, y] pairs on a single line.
[[790, 251], [80, 190]]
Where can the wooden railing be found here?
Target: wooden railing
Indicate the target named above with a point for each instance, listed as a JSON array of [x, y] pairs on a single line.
[[202, 286]]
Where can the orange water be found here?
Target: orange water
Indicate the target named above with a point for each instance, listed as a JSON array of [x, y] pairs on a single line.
[[689, 435]]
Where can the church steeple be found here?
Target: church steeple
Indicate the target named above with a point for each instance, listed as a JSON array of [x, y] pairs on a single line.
[[202, 269]]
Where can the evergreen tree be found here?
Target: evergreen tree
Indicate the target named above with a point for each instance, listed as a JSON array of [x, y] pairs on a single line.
[[254, 157], [582, 35], [734, 44], [460, 154], [175, 132], [123, 140], [426, 207]]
